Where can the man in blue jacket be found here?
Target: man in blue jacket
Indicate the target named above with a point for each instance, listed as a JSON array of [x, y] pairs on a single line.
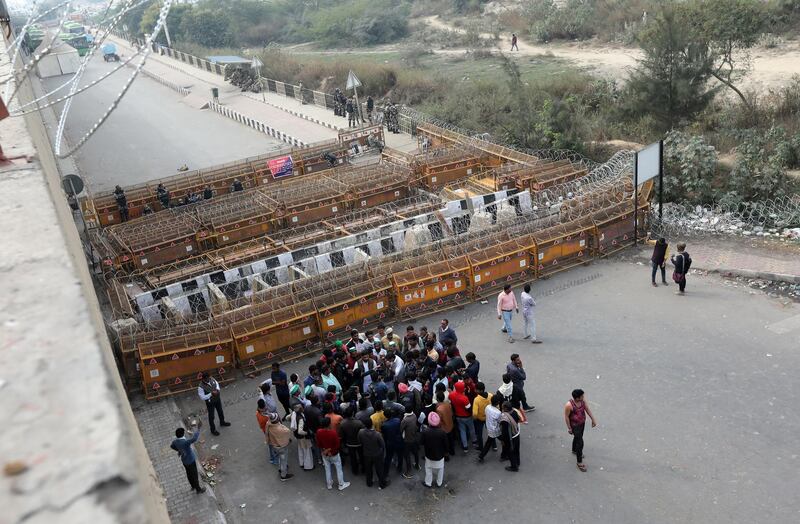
[[184, 448]]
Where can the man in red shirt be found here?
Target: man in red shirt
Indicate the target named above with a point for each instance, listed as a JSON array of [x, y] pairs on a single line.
[[462, 409], [329, 443]]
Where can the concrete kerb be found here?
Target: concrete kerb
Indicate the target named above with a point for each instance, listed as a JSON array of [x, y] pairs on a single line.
[[295, 113], [736, 272], [182, 90], [255, 124]]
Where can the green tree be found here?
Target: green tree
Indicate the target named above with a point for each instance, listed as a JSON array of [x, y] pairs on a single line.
[[671, 80], [174, 19], [728, 29], [207, 27]]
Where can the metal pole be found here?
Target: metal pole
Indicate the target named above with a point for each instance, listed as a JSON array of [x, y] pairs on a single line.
[[635, 198], [166, 33], [660, 179], [358, 106]]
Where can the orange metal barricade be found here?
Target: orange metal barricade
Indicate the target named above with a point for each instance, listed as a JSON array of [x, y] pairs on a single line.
[[506, 263], [276, 336], [563, 246], [433, 287], [175, 365], [359, 307]]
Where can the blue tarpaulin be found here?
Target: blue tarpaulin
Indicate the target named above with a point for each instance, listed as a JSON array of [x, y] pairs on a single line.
[[109, 49]]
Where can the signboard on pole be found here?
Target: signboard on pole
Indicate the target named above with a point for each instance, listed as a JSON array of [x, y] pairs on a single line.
[[648, 163], [256, 64], [352, 80], [281, 166]]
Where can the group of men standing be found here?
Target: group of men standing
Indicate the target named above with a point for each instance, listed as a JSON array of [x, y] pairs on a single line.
[[381, 401], [347, 106]]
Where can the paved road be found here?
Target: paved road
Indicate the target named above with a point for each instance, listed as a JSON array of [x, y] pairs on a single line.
[[305, 122], [694, 396], [151, 133]]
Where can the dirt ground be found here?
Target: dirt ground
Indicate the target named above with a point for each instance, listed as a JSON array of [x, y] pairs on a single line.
[[770, 67]]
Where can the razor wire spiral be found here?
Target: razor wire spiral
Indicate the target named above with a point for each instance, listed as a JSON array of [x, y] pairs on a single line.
[[764, 218]]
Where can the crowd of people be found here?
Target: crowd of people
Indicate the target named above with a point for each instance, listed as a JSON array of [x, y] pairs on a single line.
[[384, 401]]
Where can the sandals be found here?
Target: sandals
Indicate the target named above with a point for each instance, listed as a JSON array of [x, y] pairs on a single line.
[[582, 467]]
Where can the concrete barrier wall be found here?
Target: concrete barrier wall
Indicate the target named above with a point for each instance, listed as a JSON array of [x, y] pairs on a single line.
[[255, 124], [85, 461]]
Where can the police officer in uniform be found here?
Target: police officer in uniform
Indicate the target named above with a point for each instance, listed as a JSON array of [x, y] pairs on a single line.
[[163, 196], [351, 112], [370, 107], [122, 203]]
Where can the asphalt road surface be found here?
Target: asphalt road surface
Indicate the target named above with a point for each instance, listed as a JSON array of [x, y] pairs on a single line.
[[151, 133], [695, 396]]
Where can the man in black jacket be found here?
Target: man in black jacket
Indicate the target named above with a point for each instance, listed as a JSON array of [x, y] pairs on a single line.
[[349, 428], [682, 262], [313, 417], [373, 448]]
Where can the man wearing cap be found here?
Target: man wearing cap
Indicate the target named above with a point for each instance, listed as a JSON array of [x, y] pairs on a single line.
[[389, 339], [262, 417], [462, 409], [434, 442], [265, 394], [278, 437]]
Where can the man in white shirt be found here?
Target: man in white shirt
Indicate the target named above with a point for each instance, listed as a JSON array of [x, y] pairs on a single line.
[[395, 362], [493, 414], [208, 390], [528, 310]]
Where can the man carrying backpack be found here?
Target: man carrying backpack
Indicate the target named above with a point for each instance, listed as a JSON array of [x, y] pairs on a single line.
[[682, 262]]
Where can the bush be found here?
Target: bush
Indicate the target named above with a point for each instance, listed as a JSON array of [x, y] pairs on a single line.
[[359, 23], [760, 170], [412, 55], [575, 20], [691, 166]]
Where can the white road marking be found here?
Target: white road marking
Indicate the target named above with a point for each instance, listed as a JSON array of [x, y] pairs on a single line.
[[785, 326]]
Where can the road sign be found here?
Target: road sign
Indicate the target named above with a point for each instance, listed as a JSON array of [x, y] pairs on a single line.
[[352, 80], [73, 184], [256, 63]]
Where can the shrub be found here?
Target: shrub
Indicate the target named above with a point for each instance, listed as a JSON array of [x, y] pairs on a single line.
[[691, 166], [359, 22], [759, 173]]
